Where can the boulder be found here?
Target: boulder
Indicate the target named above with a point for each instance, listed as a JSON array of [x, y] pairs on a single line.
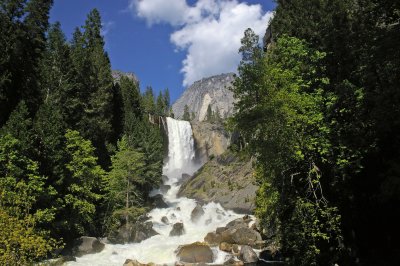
[[177, 230], [247, 255], [123, 234], [233, 262], [86, 245], [165, 220], [164, 178], [158, 202], [144, 231], [213, 238], [246, 236], [164, 188], [225, 247], [208, 221], [197, 213], [195, 253], [130, 262], [237, 223], [219, 230]]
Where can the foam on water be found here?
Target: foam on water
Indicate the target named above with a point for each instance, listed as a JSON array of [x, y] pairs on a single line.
[[160, 249]]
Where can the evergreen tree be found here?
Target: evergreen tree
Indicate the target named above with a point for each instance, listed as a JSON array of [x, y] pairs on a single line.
[[167, 99], [22, 31], [125, 181], [148, 101], [186, 114], [85, 179], [160, 105], [131, 104]]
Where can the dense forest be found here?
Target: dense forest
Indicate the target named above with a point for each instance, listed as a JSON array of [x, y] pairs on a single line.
[[319, 109], [78, 154]]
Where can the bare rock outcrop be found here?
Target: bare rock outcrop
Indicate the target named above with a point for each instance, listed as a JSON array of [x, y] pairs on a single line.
[[226, 179], [212, 91]]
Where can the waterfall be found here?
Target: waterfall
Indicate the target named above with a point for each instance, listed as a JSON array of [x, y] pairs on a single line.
[[181, 151], [160, 249]]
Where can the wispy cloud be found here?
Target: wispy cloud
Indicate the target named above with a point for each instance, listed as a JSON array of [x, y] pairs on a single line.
[[107, 27], [209, 32]]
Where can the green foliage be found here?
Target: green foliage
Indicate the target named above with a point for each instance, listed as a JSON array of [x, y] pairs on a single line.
[[85, 179], [186, 114], [20, 242], [21, 187], [361, 44], [280, 114], [148, 101], [126, 179]]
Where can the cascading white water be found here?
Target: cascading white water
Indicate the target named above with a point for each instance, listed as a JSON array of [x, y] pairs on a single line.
[[160, 249]]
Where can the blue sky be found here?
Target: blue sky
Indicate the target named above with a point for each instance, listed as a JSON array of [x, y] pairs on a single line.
[[169, 43]]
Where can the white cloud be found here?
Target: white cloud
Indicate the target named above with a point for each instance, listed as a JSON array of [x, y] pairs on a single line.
[[210, 31]]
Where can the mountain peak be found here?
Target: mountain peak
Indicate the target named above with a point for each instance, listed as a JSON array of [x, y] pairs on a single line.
[[211, 91]]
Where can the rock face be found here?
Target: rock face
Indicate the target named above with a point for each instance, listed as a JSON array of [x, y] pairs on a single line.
[[117, 74], [86, 245], [211, 91], [210, 139], [195, 253], [227, 179]]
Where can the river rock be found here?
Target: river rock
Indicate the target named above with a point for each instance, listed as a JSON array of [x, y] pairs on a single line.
[[158, 202], [165, 220], [86, 245], [130, 262], [195, 253], [197, 213], [213, 238], [124, 234], [177, 230], [233, 262], [225, 247], [240, 222], [246, 236], [144, 231], [247, 254], [164, 188], [164, 178]]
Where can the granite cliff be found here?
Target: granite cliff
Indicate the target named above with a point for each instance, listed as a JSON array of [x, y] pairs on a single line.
[[213, 91]]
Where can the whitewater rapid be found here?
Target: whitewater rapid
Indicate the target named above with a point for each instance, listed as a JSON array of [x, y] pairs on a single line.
[[160, 249]]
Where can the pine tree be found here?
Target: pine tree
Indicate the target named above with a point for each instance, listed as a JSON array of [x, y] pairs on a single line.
[[186, 114], [85, 180], [131, 105], [160, 105], [148, 101], [125, 181], [23, 27]]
